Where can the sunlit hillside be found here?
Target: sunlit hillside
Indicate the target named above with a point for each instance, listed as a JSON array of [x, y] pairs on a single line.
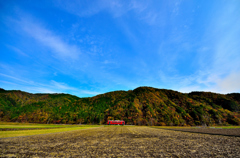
[[141, 106]]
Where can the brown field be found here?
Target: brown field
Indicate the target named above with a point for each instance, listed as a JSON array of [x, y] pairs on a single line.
[[117, 141], [213, 131]]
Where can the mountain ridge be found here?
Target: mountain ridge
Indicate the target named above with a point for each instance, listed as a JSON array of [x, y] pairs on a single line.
[[141, 106]]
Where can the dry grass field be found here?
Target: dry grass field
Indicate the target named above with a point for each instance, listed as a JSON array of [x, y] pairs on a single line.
[[117, 141]]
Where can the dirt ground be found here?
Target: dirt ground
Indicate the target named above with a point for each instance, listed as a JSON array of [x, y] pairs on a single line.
[[217, 131], [120, 141]]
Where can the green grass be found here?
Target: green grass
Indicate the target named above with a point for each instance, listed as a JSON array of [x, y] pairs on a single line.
[[42, 126], [35, 125], [44, 130], [5, 134], [29, 126]]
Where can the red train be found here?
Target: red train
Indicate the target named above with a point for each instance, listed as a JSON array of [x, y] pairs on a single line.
[[116, 122]]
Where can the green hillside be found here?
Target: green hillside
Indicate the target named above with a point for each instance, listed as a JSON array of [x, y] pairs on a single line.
[[141, 106]]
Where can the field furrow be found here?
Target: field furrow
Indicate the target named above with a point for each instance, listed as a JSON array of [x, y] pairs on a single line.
[[118, 141]]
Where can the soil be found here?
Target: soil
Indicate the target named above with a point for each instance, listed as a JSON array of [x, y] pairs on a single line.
[[215, 131], [123, 141]]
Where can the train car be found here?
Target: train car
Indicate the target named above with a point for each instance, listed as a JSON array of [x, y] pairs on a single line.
[[116, 122]]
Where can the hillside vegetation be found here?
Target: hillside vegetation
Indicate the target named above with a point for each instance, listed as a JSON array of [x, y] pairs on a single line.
[[141, 106]]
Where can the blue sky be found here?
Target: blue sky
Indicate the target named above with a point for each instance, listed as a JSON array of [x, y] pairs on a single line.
[[87, 48]]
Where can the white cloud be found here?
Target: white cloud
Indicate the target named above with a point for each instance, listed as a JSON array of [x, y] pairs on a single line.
[[30, 26], [15, 78], [150, 17], [40, 90], [138, 6], [6, 82], [116, 8], [223, 35], [218, 59], [62, 86], [230, 84], [89, 92], [189, 89], [50, 87], [108, 62], [17, 50], [80, 8]]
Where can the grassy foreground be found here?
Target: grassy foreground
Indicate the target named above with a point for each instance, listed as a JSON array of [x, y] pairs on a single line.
[[34, 125], [41, 129], [5, 134]]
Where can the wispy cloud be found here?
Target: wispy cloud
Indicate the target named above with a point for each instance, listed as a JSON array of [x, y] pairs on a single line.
[[89, 92], [121, 44], [116, 8], [33, 28], [224, 40], [17, 79], [217, 55], [47, 87], [213, 82], [6, 82], [230, 84], [86, 9], [39, 90], [62, 86], [17, 50], [80, 8]]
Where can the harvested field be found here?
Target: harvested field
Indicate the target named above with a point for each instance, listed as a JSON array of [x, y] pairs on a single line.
[[215, 131], [122, 142]]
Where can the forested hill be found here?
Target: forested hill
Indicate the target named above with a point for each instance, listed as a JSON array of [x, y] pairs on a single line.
[[141, 106]]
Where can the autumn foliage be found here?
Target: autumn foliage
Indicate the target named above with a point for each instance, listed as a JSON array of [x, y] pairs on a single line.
[[142, 106]]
